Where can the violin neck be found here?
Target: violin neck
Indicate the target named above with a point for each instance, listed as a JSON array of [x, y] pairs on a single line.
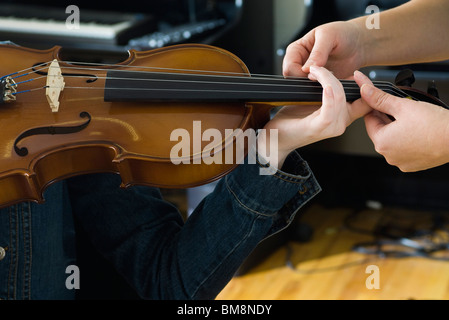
[[154, 86]]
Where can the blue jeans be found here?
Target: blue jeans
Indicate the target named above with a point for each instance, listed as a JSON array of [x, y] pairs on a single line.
[[145, 237]]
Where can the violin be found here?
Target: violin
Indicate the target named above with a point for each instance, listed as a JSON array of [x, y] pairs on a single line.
[[60, 119]]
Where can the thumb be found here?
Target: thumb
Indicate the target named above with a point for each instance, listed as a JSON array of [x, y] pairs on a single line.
[[379, 100], [375, 123]]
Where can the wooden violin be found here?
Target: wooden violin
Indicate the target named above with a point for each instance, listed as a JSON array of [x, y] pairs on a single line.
[[60, 119]]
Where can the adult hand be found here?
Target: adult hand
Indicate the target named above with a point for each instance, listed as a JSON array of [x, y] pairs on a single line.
[[417, 138], [298, 126], [336, 46]]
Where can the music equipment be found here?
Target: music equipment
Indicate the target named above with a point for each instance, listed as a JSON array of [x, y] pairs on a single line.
[[54, 25], [101, 28]]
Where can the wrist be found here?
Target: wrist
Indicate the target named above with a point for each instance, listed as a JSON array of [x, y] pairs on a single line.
[[268, 150], [365, 44]]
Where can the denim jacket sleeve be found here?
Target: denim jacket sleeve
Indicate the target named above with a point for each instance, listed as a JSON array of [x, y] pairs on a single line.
[[162, 256]]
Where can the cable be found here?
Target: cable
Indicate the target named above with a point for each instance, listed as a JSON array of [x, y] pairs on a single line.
[[403, 238], [290, 264]]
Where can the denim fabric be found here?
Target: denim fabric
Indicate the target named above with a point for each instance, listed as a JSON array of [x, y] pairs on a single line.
[[39, 243], [145, 237]]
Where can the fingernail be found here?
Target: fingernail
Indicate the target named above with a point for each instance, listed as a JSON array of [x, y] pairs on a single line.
[[312, 73], [313, 68], [367, 90], [359, 75], [312, 77]]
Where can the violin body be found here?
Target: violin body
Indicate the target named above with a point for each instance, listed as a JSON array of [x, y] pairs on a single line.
[[128, 138]]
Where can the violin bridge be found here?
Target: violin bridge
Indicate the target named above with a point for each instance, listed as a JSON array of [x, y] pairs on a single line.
[[55, 84]]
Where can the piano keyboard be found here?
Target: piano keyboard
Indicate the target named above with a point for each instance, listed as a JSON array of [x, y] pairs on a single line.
[[108, 28], [88, 31]]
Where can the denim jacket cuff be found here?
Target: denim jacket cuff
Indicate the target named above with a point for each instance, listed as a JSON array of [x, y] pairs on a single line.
[[269, 192]]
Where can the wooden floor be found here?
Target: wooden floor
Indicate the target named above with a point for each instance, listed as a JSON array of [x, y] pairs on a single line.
[[327, 267]]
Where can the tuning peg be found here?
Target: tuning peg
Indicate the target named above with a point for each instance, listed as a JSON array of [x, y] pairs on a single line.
[[432, 89], [405, 78]]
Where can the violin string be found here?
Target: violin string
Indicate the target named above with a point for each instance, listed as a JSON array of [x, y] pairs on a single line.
[[197, 72], [197, 90], [18, 74], [170, 80], [29, 80], [215, 82], [172, 70], [350, 85], [216, 73], [29, 90], [205, 72], [195, 81], [184, 90], [34, 70], [229, 75], [235, 75]]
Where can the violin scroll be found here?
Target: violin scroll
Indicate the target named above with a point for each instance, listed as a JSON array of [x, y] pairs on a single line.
[[406, 78]]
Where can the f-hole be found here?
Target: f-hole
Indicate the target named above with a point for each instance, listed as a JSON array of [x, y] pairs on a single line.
[[52, 130]]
